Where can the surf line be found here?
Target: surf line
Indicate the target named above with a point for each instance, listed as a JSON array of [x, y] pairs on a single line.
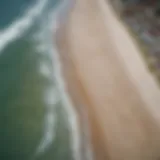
[[48, 137], [20, 26], [64, 11], [61, 16]]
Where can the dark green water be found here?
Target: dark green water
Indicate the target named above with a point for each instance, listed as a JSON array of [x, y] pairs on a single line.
[[25, 86]]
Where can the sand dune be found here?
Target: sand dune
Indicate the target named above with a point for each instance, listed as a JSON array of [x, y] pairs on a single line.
[[107, 78]]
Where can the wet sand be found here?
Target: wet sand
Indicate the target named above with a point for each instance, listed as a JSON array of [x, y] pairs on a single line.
[[107, 79]]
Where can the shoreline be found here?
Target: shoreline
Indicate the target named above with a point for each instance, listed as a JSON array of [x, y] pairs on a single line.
[[97, 147], [62, 17], [79, 98], [78, 45]]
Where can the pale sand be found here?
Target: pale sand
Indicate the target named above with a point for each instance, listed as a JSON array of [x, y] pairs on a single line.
[[107, 78]]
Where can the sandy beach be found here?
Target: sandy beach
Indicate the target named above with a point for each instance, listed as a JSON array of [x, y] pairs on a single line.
[[108, 81]]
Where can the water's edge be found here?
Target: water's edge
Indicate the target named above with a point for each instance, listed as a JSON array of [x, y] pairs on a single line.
[[83, 139]]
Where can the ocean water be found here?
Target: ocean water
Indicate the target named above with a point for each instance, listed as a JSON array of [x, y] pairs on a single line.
[[37, 120]]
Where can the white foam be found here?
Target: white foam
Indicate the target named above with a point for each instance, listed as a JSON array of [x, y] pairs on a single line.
[[56, 75], [45, 71], [51, 98], [49, 133], [42, 49], [18, 27], [70, 109], [68, 106]]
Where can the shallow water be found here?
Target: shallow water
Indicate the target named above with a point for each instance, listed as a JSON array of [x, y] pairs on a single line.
[[34, 122]]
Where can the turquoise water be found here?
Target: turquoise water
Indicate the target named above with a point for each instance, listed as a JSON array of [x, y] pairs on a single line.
[[34, 123]]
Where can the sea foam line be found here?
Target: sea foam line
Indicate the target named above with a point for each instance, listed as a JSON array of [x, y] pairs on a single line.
[[51, 96], [19, 27], [76, 144], [61, 18], [62, 12], [10, 34], [51, 99]]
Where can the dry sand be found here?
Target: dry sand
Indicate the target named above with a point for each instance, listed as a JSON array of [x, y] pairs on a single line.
[[108, 80]]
